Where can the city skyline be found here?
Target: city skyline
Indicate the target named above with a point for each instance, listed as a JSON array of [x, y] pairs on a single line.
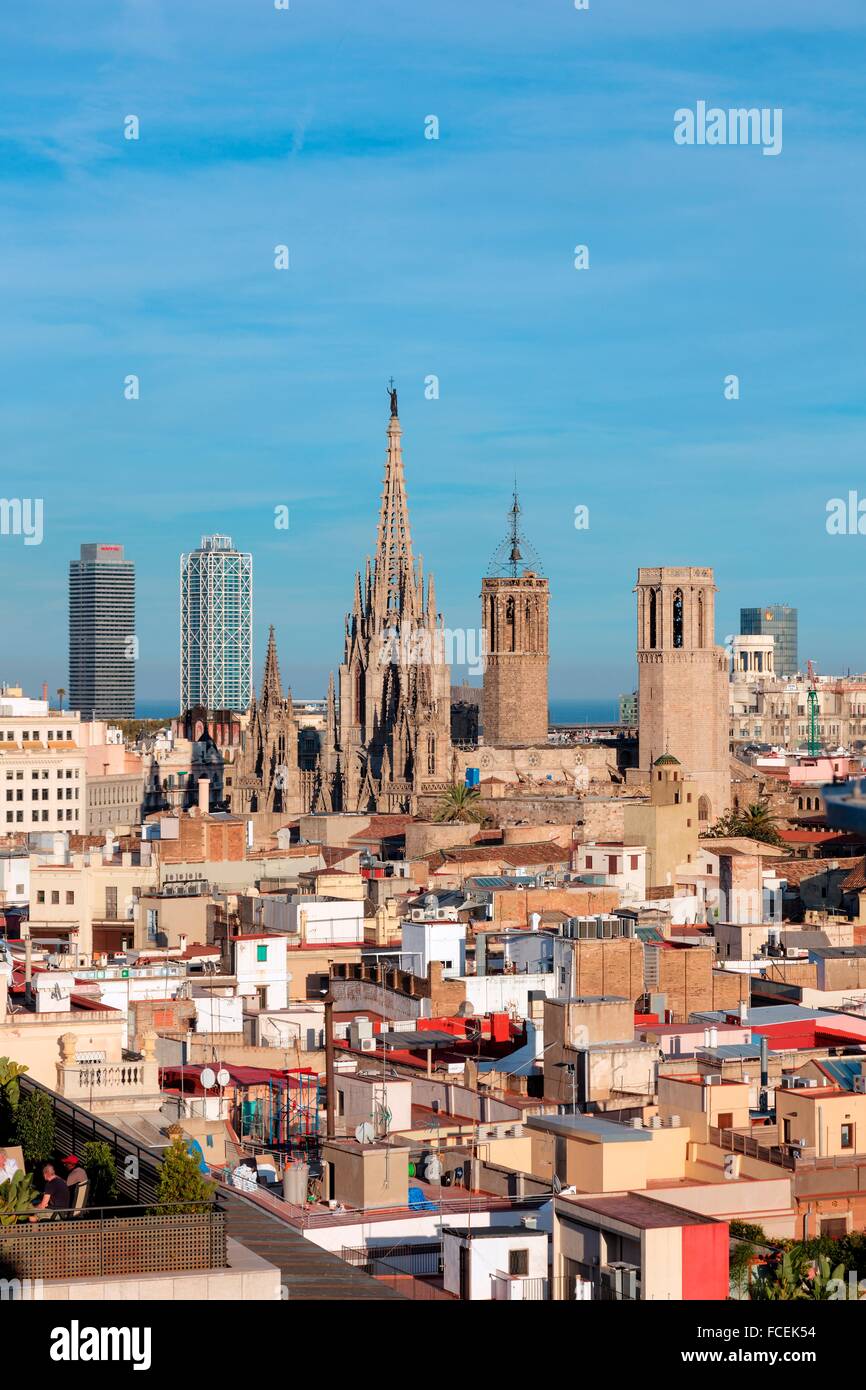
[[265, 385]]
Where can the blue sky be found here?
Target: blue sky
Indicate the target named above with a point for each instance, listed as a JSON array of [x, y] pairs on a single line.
[[415, 257]]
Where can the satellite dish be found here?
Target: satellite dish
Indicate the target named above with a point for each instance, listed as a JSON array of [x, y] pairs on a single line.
[[223, 1077], [365, 1133], [208, 1078]]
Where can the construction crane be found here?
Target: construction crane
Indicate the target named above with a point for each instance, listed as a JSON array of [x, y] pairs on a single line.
[[814, 743]]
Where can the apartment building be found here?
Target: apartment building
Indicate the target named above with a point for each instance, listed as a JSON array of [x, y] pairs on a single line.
[[43, 771], [87, 903]]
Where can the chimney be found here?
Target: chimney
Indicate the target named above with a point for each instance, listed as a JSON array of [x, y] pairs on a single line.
[[204, 795], [45, 691]]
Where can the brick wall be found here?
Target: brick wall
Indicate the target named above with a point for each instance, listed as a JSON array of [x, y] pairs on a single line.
[[158, 1016], [609, 967]]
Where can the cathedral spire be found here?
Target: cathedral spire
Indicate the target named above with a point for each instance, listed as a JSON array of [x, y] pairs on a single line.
[[272, 690], [394, 541]]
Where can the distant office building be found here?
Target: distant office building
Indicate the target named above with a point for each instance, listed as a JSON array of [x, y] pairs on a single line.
[[778, 621], [102, 643], [216, 626], [628, 708]]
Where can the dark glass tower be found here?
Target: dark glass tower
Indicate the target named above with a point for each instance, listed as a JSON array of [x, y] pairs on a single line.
[[778, 621], [102, 641]]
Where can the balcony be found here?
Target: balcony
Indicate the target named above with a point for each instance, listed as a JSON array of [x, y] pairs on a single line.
[[113, 1243], [103, 1086]]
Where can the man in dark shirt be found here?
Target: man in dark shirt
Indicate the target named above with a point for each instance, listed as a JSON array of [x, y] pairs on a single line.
[[55, 1192]]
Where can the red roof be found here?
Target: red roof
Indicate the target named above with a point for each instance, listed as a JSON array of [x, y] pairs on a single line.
[[243, 1076], [810, 837]]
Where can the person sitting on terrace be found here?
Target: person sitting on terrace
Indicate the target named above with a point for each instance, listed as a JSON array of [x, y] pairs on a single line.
[[55, 1195], [75, 1174]]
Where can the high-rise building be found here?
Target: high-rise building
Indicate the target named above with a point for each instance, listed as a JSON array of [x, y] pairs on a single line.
[[216, 626], [102, 641], [628, 708], [514, 616], [683, 682], [780, 622]]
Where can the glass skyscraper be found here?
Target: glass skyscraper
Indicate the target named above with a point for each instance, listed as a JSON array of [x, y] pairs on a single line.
[[102, 643], [216, 626], [780, 622]]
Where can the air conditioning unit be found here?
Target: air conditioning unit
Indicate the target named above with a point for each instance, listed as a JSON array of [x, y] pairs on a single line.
[[860, 1085], [367, 1044]]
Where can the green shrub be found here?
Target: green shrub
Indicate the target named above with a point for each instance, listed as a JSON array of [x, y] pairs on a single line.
[[181, 1187], [17, 1196], [98, 1162], [747, 1230], [10, 1092], [34, 1127]]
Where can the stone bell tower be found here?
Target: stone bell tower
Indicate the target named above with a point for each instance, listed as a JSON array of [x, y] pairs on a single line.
[[514, 619], [683, 681]]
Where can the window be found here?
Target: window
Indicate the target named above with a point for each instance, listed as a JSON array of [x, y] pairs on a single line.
[[589, 861], [40, 896], [518, 1262], [847, 1139], [111, 904], [261, 953], [70, 898], [678, 617], [632, 861], [611, 863], [55, 897]]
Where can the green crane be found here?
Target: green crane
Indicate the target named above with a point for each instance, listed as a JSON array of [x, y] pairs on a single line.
[[814, 742]]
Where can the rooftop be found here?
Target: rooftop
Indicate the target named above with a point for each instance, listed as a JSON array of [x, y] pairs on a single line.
[[588, 1127], [643, 1213]]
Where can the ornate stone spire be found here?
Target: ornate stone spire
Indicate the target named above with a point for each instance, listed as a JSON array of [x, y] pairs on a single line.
[[394, 559], [272, 690]]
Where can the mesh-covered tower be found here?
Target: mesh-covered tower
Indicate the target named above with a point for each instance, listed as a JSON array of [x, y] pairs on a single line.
[[216, 626], [514, 617], [102, 645]]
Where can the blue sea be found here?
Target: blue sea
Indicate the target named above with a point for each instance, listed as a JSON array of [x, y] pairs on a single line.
[[584, 711], [156, 709], [561, 711]]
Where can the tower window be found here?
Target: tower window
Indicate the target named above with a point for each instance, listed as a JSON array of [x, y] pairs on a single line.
[[678, 617], [653, 619]]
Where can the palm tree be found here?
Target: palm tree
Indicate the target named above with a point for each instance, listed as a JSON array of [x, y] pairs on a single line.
[[60, 694], [460, 804], [759, 823]]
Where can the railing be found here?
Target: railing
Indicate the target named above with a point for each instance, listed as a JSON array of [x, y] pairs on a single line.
[[137, 1168], [112, 1076], [738, 1142], [418, 1289], [110, 1242], [395, 1259]]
